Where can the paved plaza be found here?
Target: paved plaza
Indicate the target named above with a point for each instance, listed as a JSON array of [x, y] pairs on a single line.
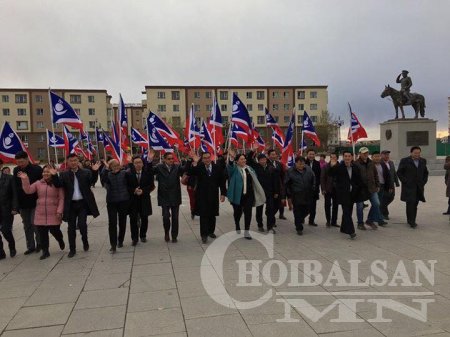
[[155, 289]]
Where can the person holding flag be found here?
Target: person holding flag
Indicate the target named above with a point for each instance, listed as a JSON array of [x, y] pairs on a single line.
[[9, 207]]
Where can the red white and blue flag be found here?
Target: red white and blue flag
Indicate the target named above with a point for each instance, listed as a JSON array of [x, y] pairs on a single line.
[[259, 141], [123, 121], [278, 139], [192, 132], [62, 112], [71, 143], [53, 140], [171, 136], [215, 124], [138, 138], [309, 130], [241, 117], [10, 144], [99, 136], [356, 130], [207, 141], [155, 140], [287, 147], [113, 147]]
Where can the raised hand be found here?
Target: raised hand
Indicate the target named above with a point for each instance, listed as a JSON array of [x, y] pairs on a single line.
[[22, 175], [195, 157], [53, 171], [150, 155], [96, 166], [231, 153]]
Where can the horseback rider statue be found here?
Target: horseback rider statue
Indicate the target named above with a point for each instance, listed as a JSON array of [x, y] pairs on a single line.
[[405, 85], [404, 96]]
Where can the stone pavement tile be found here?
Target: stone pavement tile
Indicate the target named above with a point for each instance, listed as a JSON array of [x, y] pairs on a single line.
[[103, 333], [268, 312], [193, 289], [112, 267], [218, 326], [155, 322], [44, 315], [8, 308], [152, 269], [356, 333], [51, 331], [107, 281], [204, 306], [159, 257], [140, 284], [59, 294], [85, 320], [282, 329], [102, 298], [157, 300], [13, 289]]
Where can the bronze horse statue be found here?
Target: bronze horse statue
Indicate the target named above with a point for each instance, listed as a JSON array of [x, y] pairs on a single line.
[[417, 101]]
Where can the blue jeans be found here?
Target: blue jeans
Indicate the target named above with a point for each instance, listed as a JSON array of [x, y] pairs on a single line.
[[374, 212]]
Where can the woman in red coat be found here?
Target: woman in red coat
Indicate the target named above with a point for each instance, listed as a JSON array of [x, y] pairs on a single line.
[[49, 208]]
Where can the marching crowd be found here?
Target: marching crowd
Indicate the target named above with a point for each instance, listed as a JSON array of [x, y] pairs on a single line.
[[46, 196]]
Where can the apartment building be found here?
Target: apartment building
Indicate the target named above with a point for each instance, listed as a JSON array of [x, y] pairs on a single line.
[[28, 112]]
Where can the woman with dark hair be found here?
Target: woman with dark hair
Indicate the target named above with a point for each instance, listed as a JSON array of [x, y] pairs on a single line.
[[447, 182], [244, 190], [49, 208]]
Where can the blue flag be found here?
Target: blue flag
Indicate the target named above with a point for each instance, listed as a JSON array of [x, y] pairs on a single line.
[[53, 140], [62, 112]]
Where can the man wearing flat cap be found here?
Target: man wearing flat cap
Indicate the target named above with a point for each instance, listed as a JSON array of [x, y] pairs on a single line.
[[405, 85]]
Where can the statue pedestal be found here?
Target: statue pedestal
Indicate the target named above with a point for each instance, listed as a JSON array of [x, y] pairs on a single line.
[[399, 135]]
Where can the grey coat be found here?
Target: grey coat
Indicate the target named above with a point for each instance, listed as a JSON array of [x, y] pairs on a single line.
[[300, 186], [169, 187]]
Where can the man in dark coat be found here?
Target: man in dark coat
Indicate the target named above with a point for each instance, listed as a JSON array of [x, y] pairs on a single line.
[[315, 166], [210, 179], [9, 206], [27, 202], [384, 177], [388, 196], [413, 174], [328, 187], [268, 177], [348, 189], [280, 172], [169, 192], [300, 186], [79, 201], [142, 183]]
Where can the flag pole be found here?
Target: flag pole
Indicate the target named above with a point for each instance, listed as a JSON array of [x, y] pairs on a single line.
[[301, 145], [296, 130], [48, 146], [214, 126], [53, 127], [351, 130]]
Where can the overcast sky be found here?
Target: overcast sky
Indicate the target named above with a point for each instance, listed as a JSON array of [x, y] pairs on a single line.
[[353, 46]]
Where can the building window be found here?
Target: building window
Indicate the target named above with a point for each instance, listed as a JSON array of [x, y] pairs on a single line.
[[249, 95], [313, 94], [5, 98], [208, 107], [249, 107], [223, 107], [197, 107], [198, 121], [208, 94], [287, 119], [286, 94], [275, 94], [161, 95], [260, 94], [300, 120], [38, 98], [260, 107], [109, 112], [92, 124], [175, 95], [77, 111], [91, 112], [161, 108], [176, 121], [301, 107], [286, 107], [41, 152], [40, 125], [225, 119], [300, 94], [22, 125], [274, 107], [276, 118], [260, 119], [196, 94], [108, 123], [223, 95], [176, 108], [91, 99], [42, 138], [21, 112], [313, 107], [6, 112], [21, 98], [39, 112], [314, 119], [24, 138], [75, 99]]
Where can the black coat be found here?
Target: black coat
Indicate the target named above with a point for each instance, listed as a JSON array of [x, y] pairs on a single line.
[[317, 171], [348, 191], [8, 199], [268, 176], [85, 178], [34, 173], [207, 190], [142, 202], [413, 179], [169, 188], [280, 172]]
